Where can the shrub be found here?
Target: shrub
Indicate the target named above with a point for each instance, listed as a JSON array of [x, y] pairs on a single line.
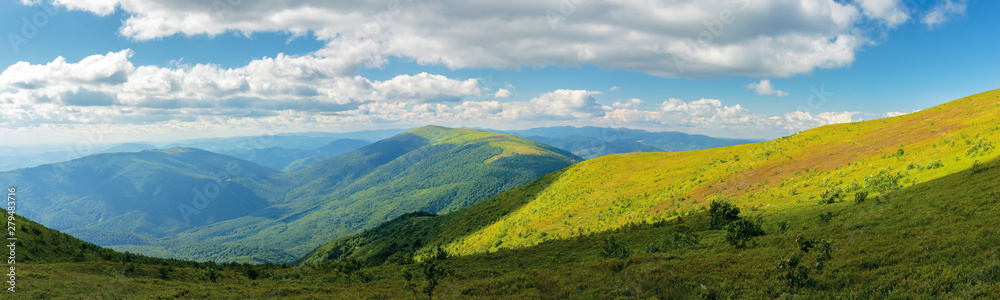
[[934, 165], [832, 195], [860, 197], [882, 181], [741, 231], [825, 218], [434, 273], [793, 269], [722, 213], [164, 273], [614, 249], [252, 273]]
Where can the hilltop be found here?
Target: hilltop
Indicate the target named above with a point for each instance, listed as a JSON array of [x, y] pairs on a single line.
[[829, 164], [193, 204]]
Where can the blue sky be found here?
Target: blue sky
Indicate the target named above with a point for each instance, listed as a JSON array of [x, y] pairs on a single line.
[[178, 69]]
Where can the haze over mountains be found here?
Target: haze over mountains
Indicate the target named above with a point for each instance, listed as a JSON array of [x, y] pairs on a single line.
[[187, 203], [591, 142]]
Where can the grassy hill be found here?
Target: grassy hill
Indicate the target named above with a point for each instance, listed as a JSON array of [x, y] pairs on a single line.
[[831, 164], [432, 169], [589, 147], [194, 204], [590, 142], [935, 239]]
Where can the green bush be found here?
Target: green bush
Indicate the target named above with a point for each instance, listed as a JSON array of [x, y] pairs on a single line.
[[614, 249], [883, 181], [832, 195], [825, 218], [742, 231], [795, 272], [860, 197], [722, 213]]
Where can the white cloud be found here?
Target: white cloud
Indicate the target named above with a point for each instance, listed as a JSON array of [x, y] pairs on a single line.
[[614, 88], [765, 88], [799, 120], [502, 93], [559, 104], [944, 11], [892, 12], [426, 87], [75, 92], [629, 104], [683, 38]]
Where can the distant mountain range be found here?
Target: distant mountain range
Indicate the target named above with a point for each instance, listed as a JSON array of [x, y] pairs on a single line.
[[195, 204], [591, 142], [287, 160]]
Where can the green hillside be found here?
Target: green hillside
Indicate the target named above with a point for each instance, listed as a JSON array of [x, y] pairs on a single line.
[[591, 147], [829, 164], [193, 204], [284, 159], [431, 169], [935, 239]]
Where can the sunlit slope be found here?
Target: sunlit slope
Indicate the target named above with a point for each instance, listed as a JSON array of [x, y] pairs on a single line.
[[612, 191], [432, 169], [832, 162]]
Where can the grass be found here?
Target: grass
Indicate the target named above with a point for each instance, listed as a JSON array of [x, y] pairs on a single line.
[[613, 191], [936, 239]]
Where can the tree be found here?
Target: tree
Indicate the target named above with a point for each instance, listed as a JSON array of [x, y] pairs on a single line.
[[613, 249], [795, 272], [434, 273], [741, 231], [722, 213]]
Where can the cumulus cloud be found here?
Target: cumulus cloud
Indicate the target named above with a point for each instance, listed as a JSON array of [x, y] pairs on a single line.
[[627, 104], [426, 87], [799, 120], [892, 12], [502, 93], [944, 11], [685, 38], [558, 104], [68, 92], [614, 88], [765, 88]]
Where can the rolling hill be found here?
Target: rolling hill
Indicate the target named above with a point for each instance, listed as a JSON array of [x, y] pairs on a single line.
[[590, 142], [194, 204], [431, 169], [829, 164]]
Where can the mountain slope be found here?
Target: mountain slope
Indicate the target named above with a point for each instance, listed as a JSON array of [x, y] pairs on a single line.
[[589, 147], [431, 169], [830, 163], [143, 198], [590, 142], [279, 158]]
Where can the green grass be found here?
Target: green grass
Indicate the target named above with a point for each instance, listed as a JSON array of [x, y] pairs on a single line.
[[829, 163], [936, 239]]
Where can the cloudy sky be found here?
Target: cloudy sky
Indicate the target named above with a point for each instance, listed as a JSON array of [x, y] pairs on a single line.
[[158, 69]]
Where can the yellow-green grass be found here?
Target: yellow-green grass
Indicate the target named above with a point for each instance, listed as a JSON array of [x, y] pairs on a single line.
[[932, 240], [611, 191]]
